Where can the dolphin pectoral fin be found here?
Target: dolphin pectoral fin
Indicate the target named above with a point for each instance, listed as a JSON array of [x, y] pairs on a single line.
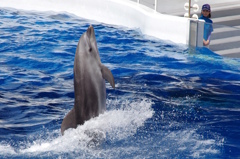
[[107, 75], [69, 121]]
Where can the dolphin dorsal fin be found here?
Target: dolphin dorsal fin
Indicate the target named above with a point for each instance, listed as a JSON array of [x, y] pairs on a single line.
[[107, 75]]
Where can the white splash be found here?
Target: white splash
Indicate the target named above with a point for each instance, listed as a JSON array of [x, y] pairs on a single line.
[[7, 149], [121, 127], [117, 124]]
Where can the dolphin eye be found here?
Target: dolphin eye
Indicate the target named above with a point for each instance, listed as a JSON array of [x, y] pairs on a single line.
[[90, 49]]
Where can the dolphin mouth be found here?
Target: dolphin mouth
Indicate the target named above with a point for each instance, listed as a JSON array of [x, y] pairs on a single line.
[[90, 32]]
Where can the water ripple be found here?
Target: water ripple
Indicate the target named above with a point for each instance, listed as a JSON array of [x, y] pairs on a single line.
[[169, 101]]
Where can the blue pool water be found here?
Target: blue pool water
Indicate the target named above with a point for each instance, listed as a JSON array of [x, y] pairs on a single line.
[[169, 101]]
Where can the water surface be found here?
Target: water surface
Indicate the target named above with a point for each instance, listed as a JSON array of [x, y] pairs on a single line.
[[169, 101]]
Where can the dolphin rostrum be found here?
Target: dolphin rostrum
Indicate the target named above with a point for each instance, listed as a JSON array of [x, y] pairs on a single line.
[[89, 82]]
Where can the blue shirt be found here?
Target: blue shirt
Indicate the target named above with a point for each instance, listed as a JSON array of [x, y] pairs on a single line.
[[208, 29]]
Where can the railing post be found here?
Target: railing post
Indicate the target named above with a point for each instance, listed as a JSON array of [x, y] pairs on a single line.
[[189, 9], [156, 3], [196, 29]]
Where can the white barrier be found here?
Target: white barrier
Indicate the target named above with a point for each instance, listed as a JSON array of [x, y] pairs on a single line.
[[115, 12]]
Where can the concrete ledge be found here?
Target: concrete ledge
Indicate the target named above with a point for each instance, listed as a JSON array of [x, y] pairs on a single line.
[[225, 40], [227, 18], [230, 51], [224, 29]]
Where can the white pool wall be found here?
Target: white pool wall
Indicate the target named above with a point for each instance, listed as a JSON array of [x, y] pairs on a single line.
[[115, 12]]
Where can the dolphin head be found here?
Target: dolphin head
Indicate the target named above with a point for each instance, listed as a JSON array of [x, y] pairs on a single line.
[[88, 43], [90, 33]]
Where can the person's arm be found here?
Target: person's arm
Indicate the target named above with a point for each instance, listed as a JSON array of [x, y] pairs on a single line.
[[206, 42]]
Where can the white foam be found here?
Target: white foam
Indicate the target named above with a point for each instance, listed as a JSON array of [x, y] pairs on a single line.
[[7, 149], [117, 124], [191, 141]]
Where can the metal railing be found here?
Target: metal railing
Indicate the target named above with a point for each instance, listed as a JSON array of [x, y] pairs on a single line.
[[155, 4], [149, 3], [195, 37]]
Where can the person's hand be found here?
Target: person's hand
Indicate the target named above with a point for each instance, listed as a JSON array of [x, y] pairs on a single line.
[[205, 43]]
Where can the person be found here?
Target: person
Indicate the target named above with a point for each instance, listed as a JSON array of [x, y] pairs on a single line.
[[208, 29]]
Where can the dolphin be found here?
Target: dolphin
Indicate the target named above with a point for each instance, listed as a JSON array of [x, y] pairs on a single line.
[[89, 82]]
